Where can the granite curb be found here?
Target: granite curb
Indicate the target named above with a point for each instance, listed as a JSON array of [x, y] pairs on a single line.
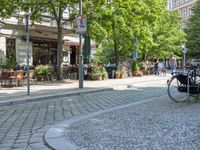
[[48, 97], [55, 138]]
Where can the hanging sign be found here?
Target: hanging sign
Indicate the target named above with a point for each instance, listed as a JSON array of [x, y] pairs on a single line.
[[81, 24]]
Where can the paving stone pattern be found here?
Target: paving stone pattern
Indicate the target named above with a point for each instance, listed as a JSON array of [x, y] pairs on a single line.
[[158, 124], [23, 126]]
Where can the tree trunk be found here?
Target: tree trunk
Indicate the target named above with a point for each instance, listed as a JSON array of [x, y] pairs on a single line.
[[59, 53], [59, 46]]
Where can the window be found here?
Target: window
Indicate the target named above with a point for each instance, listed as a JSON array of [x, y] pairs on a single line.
[[183, 13], [189, 12]]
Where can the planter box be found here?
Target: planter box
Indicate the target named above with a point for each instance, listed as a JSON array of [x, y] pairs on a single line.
[[137, 73]]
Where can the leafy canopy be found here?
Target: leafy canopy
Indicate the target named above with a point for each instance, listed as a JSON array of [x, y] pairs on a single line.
[[193, 32]]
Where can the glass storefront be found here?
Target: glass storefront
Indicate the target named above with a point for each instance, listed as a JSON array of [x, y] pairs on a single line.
[[44, 52], [10, 47]]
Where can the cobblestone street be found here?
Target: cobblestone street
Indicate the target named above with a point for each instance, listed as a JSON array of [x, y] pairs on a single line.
[[23, 126]]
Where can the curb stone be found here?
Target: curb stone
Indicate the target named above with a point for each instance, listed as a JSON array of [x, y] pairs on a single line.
[[48, 97], [55, 138]]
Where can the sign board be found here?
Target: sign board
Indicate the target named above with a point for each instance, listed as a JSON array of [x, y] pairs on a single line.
[[81, 24], [185, 50]]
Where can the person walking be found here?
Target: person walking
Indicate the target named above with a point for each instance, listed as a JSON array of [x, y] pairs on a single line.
[[156, 67], [173, 65]]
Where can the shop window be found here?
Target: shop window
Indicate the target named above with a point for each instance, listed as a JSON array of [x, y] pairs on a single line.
[[11, 53], [10, 46], [44, 52]]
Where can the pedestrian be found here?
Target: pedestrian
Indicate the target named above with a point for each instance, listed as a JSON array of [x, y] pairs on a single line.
[[156, 67], [173, 65]]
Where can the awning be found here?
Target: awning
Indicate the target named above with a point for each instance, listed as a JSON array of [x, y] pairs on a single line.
[[71, 40], [74, 41], [71, 43]]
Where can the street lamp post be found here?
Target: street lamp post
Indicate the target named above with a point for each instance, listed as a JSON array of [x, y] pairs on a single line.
[[80, 52], [27, 52], [184, 52]]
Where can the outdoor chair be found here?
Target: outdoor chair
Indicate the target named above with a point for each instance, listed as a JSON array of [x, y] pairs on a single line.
[[32, 78], [5, 77], [18, 77]]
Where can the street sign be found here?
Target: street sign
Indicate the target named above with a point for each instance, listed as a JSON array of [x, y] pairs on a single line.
[[81, 24], [185, 50]]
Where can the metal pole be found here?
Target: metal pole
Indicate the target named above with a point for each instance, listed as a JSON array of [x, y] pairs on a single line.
[[184, 62], [27, 54], [80, 52]]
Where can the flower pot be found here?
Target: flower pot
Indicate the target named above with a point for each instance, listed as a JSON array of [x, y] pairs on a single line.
[[122, 75], [137, 73], [99, 78], [117, 75]]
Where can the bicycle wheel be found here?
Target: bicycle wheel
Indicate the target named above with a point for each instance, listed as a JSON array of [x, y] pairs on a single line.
[[176, 91]]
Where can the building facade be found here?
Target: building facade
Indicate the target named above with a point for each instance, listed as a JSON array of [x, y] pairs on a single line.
[[184, 7], [42, 40]]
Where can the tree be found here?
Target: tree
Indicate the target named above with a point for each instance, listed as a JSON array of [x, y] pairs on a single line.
[[193, 32], [7, 7], [167, 36], [114, 24], [56, 9]]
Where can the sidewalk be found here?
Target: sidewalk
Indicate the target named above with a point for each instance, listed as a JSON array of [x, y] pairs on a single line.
[[47, 90]]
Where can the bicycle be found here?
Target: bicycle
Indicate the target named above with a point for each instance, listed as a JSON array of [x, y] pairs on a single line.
[[183, 85]]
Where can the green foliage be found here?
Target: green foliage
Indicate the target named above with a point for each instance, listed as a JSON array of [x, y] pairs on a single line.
[[7, 7], [142, 66], [95, 72], [3, 63], [8, 62], [56, 9], [113, 24], [42, 70], [104, 73], [135, 66], [168, 36], [123, 71], [193, 32], [117, 72], [11, 61]]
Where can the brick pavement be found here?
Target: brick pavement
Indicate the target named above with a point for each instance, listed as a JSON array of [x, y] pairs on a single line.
[[22, 126]]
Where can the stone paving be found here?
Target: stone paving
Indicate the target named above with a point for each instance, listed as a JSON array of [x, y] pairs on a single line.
[[23, 126], [158, 124]]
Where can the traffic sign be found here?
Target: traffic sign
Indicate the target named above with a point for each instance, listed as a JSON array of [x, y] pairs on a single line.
[[185, 50]]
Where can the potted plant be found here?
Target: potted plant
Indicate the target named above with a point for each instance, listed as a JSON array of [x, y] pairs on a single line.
[[104, 73], [143, 67], [96, 73], [122, 73], [135, 68], [117, 74], [41, 72]]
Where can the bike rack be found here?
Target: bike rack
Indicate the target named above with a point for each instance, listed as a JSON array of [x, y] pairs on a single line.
[[188, 84], [188, 81]]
